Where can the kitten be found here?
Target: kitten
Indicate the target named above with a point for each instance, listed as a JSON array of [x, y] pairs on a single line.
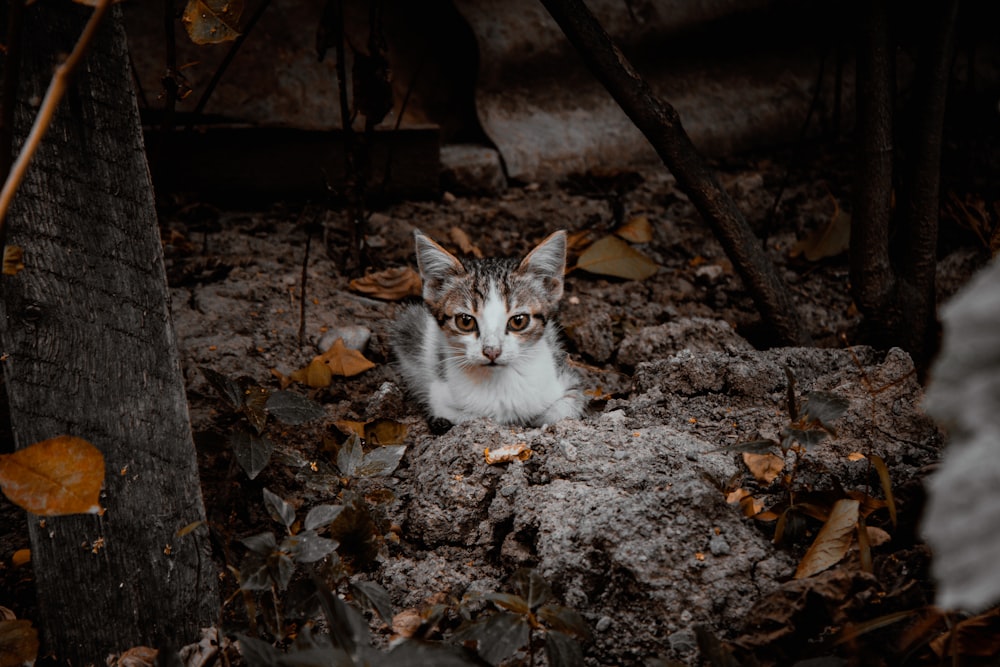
[[485, 341]]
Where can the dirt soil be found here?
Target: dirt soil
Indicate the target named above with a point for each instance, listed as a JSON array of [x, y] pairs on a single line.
[[675, 358]]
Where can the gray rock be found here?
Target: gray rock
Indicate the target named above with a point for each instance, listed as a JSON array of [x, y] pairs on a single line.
[[472, 169], [697, 334]]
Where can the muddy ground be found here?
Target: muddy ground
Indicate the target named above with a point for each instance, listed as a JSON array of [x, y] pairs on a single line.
[[625, 512]]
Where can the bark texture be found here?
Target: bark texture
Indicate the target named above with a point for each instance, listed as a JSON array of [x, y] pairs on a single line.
[[894, 283], [90, 351], [661, 125]]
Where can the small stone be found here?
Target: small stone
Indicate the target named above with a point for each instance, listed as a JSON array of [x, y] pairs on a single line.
[[473, 169], [709, 273], [718, 546], [386, 402], [683, 641], [355, 337], [603, 624]]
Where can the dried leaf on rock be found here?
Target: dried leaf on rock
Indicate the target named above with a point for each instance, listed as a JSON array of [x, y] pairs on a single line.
[[61, 475], [636, 230], [507, 453], [212, 21], [764, 467], [390, 284], [611, 256], [977, 636], [833, 540]]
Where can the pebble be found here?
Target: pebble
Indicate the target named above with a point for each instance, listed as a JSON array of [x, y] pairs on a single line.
[[355, 337]]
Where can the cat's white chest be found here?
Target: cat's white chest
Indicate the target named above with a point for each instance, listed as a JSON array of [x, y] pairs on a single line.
[[529, 391]]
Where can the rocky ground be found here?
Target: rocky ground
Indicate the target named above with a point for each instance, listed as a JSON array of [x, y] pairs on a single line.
[[641, 516]]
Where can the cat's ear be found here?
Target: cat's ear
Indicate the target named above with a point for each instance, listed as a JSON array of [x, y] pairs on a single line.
[[436, 264], [548, 260]]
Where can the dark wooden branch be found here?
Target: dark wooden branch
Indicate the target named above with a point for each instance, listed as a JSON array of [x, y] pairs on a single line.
[[872, 278], [660, 124], [920, 203]]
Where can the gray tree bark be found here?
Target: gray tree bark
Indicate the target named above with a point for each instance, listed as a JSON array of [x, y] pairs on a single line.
[[90, 351]]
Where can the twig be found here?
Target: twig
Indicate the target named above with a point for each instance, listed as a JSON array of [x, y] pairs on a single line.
[[302, 296], [11, 71], [57, 88]]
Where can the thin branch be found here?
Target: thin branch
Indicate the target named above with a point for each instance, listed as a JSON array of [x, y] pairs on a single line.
[[224, 65], [661, 125], [57, 88]]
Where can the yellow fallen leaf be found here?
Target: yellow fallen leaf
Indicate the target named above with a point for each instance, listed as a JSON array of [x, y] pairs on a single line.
[[212, 21], [61, 475], [611, 256], [341, 360], [636, 230], [390, 284], [348, 426], [316, 375], [21, 557], [13, 260], [764, 467]]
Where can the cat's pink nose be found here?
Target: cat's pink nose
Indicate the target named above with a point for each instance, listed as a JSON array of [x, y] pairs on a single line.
[[491, 353]]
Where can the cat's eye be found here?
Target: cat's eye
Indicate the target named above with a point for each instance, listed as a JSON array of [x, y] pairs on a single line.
[[465, 323], [518, 322]]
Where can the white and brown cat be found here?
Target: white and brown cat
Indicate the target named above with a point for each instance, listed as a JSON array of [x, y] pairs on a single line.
[[485, 342]]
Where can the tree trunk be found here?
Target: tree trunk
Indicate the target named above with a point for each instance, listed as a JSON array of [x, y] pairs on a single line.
[[660, 124], [894, 287], [90, 351]]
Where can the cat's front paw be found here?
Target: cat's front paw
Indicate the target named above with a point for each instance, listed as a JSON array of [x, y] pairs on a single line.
[[439, 425]]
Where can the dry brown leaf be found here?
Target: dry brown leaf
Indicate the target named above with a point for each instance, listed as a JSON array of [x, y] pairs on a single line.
[[636, 230], [764, 467], [138, 656], [13, 260], [21, 557], [856, 456], [316, 375], [832, 541], [385, 432], [506, 453], [579, 240], [976, 636], [611, 256], [61, 475], [348, 426], [344, 361], [752, 507], [830, 240], [465, 245], [876, 536], [390, 284], [407, 622], [736, 495], [212, 21], [284, 381], [19, 641]]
